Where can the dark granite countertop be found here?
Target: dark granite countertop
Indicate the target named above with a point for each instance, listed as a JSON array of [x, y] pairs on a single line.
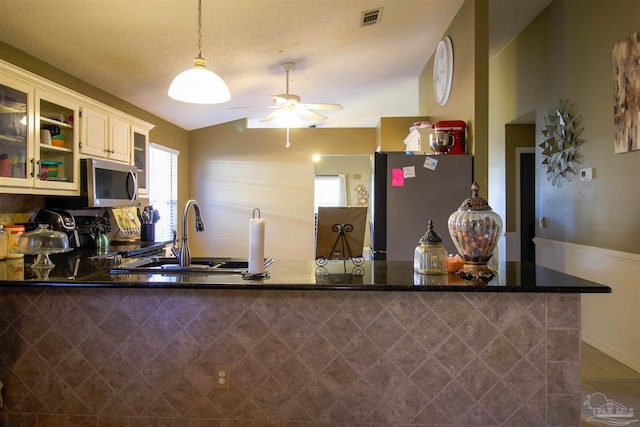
[[77, 269]]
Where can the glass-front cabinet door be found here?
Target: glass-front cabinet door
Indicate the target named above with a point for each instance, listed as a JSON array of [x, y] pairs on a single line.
[[16, 136], [38, 138], [141, 158], [56, 141]]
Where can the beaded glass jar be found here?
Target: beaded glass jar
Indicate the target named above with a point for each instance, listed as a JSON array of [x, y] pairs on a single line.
[[475, 229]]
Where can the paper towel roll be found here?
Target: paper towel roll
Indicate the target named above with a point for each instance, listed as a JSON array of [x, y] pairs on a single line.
[[256, 246]]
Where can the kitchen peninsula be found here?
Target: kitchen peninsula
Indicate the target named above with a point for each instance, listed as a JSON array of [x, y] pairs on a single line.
[[339, 344]]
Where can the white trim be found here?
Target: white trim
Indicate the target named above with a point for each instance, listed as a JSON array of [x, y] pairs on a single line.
[[164, 148], [513, 250], [342, 182], [609, 321], [586, 250]]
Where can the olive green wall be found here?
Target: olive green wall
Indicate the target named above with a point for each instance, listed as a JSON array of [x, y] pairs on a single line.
[[566, 53], [235, 169], [392, 131], [164, 132], [468, 101], [592, 227]]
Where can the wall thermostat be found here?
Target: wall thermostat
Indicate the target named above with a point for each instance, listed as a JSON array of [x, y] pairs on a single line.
[[586, 174]]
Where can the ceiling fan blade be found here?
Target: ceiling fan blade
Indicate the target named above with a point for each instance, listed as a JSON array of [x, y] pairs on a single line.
[[271, 116], [253, 106], [323, 106], [312, 115]]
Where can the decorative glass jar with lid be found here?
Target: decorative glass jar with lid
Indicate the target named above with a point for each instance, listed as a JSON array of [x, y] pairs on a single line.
[[475, 229], [430, 257]]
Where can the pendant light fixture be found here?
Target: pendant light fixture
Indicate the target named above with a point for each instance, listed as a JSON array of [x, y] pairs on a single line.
[[199, 85]]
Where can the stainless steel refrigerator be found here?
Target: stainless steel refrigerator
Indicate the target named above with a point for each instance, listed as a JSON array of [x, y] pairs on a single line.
[[409, 190]]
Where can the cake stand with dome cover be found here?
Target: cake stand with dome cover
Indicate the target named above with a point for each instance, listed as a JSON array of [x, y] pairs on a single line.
[[43, 242]]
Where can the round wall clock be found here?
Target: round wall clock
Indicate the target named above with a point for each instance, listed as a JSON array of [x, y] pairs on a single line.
[[443, 70]]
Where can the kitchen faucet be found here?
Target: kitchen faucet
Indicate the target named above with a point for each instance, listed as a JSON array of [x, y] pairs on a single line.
[[183, 253]]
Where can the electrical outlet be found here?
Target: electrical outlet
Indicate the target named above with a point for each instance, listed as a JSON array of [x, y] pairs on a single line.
[[222, 377]]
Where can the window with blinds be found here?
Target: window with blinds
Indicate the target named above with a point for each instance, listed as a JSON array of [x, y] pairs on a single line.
[[163, 189], [330, 190]]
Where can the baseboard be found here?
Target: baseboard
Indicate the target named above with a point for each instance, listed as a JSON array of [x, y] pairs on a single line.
[[610, 351]]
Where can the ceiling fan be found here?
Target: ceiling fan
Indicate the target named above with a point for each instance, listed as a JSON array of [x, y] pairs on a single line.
[[288, 104]]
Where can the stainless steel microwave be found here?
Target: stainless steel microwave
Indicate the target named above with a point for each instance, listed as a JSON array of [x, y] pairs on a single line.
[[108, 184]]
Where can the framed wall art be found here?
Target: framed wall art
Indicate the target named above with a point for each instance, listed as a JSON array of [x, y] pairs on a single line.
[[560, 156], [626, 93]]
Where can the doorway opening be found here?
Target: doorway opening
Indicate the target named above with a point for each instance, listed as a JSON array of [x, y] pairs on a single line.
[[520, 188], [342, 180], [526, 202]]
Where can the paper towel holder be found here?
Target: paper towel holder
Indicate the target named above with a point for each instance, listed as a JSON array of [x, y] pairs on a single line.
[[254, 276]]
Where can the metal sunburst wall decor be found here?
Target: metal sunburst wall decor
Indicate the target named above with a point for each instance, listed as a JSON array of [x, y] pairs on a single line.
[[560, 146]]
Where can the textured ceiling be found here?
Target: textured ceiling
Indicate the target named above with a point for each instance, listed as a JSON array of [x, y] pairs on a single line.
[[133, 49]]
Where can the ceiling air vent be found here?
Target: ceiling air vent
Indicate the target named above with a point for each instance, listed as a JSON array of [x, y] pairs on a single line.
[[371, 17]]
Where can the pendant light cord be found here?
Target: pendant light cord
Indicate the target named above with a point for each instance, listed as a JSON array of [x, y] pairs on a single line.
[[199, 28], [198, 85]]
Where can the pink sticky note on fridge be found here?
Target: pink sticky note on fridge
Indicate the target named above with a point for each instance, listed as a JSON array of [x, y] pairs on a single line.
[[397, 177]]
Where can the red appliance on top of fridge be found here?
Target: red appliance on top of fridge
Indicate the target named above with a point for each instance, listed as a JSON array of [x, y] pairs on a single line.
[[458, 129]]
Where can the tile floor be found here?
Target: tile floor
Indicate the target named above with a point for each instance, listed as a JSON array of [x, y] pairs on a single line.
[[617, 382]]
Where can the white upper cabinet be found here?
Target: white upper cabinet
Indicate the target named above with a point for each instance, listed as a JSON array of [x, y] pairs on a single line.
[[45, 129], [56, 162], [120, 140], [95, 133], [38, 139], [105, 136], [16, 132]]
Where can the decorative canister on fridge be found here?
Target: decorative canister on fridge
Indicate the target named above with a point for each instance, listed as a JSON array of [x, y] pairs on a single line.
[[475, 229]]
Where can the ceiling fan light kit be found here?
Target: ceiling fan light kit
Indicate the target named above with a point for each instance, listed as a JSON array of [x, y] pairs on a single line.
[[290, 112], [199, 85]]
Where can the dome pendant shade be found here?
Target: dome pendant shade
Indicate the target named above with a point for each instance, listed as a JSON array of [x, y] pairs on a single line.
[[199, 85]]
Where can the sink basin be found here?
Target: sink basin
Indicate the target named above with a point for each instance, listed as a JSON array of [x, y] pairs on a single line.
[[199, 265]]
